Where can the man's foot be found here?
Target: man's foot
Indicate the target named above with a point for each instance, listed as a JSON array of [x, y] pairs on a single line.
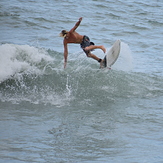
[[102, 64]]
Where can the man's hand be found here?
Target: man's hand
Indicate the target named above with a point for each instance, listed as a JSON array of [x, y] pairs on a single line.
[[65, 63], [80, 19]]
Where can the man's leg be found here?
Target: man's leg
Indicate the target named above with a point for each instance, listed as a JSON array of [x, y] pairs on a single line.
[[92, 47], [93, 56], [96, 58]]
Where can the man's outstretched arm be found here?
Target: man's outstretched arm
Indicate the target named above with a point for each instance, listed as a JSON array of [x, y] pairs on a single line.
[[76, 25], [65, 53]]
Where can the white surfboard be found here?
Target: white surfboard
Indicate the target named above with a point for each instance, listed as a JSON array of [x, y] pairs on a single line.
[[112, 55]]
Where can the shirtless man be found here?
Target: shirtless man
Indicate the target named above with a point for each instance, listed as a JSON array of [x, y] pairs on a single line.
[[73, 37]]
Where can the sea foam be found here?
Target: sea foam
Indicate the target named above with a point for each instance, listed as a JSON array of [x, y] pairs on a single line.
[[20, 58]]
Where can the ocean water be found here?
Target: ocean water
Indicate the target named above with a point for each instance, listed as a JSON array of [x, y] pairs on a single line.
[[83, 113]]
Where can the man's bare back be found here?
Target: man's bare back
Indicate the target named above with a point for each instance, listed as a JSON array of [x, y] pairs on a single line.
[[73, 37]]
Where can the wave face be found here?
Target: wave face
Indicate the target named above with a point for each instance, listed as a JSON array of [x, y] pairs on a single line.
[[30, 74]]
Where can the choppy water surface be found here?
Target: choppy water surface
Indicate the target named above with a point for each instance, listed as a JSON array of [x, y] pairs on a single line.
[[81, 114]]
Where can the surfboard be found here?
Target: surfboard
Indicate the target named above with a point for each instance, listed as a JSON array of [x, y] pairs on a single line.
[[112, 55]]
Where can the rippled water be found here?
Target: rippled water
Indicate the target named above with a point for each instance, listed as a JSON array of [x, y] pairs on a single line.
[[81, 114]]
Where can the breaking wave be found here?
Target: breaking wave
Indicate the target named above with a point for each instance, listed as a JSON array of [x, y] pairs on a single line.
[[36, 75]]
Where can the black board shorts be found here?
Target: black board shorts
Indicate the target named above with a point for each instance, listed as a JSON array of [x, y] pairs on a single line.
[[85, 43]]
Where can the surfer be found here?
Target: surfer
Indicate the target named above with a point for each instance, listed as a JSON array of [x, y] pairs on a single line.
[[73, 37]]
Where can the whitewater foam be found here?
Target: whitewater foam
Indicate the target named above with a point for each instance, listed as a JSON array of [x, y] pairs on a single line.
[[21, 58]]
